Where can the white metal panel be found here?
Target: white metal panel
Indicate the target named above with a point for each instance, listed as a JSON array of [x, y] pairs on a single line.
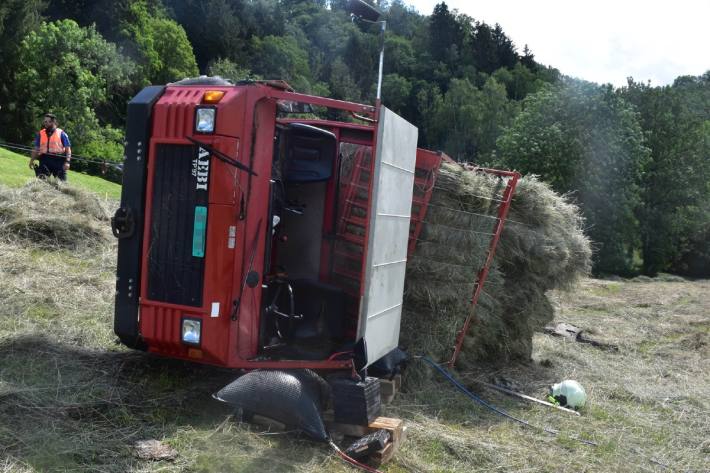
[[393, 179]]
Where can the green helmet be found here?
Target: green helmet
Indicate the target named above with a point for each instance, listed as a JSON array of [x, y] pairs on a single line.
[[569, 393]]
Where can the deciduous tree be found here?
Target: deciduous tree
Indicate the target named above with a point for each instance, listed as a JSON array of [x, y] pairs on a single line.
[[73, 81], [164, 52], [583, 138]]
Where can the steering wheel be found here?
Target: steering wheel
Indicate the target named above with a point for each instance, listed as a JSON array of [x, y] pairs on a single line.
[[290, 316]]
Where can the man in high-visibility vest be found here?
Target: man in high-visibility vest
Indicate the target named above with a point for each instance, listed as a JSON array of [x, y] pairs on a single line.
[[53, 148]]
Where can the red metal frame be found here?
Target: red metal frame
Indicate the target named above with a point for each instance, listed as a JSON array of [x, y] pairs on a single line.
[[349, 247], [322, 102], [503, 208], [428, 163], [329, 124]]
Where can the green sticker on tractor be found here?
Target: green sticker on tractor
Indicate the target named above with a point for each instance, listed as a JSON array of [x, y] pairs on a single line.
[[199, 231]]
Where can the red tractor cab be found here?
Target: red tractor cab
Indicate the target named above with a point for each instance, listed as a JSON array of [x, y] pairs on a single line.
[[252, 239]]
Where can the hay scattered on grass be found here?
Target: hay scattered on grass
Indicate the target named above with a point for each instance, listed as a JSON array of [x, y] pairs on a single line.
[[543, 247], [7, 214], [85, 203], [51, 232], [665, 277], [71, 400], [47, 215]]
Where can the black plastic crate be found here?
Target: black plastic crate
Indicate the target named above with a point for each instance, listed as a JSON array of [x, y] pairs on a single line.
[[356, 402]]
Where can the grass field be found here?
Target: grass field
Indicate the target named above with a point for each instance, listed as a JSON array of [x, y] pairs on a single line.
[[15, 172], [71, 400]]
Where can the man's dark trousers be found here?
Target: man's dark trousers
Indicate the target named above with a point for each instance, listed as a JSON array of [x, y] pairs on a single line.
[[51, 166]]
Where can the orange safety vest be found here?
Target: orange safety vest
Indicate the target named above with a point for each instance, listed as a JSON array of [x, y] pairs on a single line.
[[51, 144]]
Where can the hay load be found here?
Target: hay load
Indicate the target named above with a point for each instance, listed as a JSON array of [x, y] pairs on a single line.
[[542, 247], [49, 216]]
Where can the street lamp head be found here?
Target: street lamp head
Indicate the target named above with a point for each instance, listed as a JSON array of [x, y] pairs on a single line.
[[363, 10]]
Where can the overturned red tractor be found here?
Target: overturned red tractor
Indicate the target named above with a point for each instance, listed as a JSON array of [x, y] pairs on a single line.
[[247, 240], [252, 239]]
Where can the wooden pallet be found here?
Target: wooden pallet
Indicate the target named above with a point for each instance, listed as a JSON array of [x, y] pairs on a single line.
[[397, 432], [395, 427]]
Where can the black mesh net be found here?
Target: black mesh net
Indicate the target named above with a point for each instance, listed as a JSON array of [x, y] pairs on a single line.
[[294, 398]]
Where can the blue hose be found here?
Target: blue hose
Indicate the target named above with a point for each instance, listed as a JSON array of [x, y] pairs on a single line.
[[444, 372]]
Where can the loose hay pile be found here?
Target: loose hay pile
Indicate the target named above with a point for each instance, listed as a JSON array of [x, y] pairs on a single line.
[[57, 260], [542, 247], [49, 216]]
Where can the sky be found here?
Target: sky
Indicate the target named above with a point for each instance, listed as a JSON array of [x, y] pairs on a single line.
[[603, 41]]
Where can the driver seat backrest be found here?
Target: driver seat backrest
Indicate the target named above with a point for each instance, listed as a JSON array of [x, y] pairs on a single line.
[[322, 307], [310, 154]]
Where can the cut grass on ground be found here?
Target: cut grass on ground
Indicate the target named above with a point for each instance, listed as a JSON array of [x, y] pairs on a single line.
[[71, 400], [15, 172]]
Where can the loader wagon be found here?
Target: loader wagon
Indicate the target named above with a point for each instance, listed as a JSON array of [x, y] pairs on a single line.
[[253, 236]]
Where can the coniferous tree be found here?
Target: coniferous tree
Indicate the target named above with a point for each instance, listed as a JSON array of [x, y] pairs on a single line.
[[445, 39], [505, 53], [675, 215], [583, 138], [213, 27], [528, 59]]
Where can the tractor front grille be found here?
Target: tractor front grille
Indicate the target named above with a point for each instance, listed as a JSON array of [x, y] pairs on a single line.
[[175, 269]]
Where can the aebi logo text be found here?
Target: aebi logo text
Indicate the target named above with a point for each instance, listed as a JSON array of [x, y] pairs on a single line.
[[201, 169]]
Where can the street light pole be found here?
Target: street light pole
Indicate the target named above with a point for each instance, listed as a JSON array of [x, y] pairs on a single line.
[[363, 11], [382, 58]]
